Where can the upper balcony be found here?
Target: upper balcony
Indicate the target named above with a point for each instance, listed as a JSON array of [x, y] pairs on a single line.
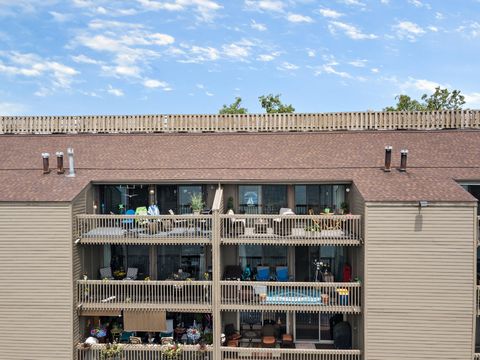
[[144, 229], [291, 229]]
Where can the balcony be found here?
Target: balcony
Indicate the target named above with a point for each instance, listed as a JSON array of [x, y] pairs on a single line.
[[300, 296], [291, 229], [141, 352], [187, 296], [289, 354], [144, 229]]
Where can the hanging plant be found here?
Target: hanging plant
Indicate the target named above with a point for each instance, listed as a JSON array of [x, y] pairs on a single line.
[[111, 352]]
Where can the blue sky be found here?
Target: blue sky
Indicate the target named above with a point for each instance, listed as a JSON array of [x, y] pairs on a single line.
[[191, 56]]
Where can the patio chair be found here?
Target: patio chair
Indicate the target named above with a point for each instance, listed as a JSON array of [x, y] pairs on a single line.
[[282, 273], [125, 336], [232, 334], [106, 273], [233, 227], [128, 222], [269, 336], [232, 272], [282, 226], [132, 274], [263, 273], [178, 222], [135, 340]]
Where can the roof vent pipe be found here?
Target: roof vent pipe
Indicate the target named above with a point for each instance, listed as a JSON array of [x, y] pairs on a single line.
[[403, 160], [60, 169], [71, 170], [46, 166], [388, 158]]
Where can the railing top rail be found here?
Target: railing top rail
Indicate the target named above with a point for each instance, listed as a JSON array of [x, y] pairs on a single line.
[[151, 217], [293, 351], [290, 283], [368, 120], [276, 216], [145, 347], [146, 282]]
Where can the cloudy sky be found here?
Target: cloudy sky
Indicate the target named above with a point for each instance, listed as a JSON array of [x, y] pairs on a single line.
[[192, 56]]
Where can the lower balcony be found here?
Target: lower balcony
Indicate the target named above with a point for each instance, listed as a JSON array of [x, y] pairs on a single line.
[[476, 356], [143, 352], [289, 354], [192, 296], [294, 296]]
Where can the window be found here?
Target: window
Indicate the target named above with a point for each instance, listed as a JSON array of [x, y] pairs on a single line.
[[190, 258], [265, 199], [267, 255], [317, 198], [131, 256]]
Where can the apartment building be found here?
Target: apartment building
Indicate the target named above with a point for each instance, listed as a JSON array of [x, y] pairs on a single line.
[[284, 236]]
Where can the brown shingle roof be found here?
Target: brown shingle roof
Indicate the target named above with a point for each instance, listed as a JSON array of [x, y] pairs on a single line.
[[435, 159]]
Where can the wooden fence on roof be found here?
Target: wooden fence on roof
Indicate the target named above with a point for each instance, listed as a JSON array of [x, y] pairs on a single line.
[[419, 120]]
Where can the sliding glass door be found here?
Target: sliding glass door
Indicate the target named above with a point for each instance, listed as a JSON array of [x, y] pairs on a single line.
[[262, 199]]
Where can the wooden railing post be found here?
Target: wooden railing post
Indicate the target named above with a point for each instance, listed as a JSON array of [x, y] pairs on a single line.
[[217, 208]]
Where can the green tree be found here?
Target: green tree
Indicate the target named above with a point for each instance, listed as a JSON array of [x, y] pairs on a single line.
[[441, 99], [405, 103], [234, 108], [272, 104]]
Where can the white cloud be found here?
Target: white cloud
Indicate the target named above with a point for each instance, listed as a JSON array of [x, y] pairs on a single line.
[[408, 30], [421, 84], [10, 109], [60, 17], [206, 10], [153, 84], [33, 66], [358, 63], [82, 59], [471, 30], [199, 54], [236, 50], [200, 86], [433, 28], [208, 93], [439, 16], [286, 66], [265, 5], [311, 53], [298, 18], [385, 2], [330, 13], [353, 2], [350, 30], [472, 100], [258, 26], [113, 91], [375, 70], [330, 69], [265, 57], [419, 4]]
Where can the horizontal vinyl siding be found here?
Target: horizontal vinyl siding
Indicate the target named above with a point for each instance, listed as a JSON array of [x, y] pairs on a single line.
[[78, 207], [35, 282], [420, 284]]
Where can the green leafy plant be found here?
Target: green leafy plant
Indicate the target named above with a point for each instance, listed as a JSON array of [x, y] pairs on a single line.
[[172, 351], [230, 203], [344, 207], [196, 202], [111, 352]]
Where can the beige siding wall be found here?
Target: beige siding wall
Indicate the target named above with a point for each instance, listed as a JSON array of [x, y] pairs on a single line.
[[419, 282], [35, 282], [78, 207]]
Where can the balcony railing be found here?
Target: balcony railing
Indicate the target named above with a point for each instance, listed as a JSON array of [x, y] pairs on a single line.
[[476, 356], [447, 119], [304, 296], [139, 229], [292, 229], [144, 352], [122, 294], [478, 300], [288, 354]]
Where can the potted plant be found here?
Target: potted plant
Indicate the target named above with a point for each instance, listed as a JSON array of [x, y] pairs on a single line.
[[196, 203], [344, 207], [230, 203], [172, 351], [111, 352]]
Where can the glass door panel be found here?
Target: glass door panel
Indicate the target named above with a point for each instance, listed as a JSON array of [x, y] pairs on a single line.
[[307, 327]]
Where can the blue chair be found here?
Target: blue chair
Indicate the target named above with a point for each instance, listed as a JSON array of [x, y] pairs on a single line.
[[282, 273], [263, 273], [128, 221], [125, 336]]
